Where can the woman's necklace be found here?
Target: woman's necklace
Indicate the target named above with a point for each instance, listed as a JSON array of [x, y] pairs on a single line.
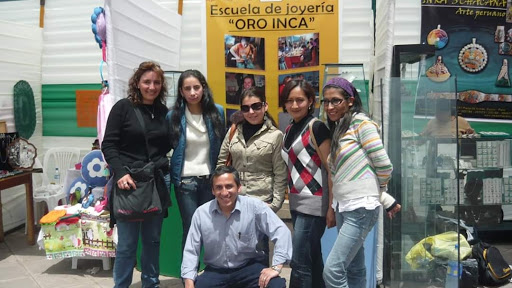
[[151, 112]]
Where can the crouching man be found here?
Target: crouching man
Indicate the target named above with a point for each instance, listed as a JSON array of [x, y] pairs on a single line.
[[229, 227]]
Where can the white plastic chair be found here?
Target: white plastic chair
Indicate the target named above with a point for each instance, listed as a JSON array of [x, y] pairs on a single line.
[[41, 186], [58, 157]]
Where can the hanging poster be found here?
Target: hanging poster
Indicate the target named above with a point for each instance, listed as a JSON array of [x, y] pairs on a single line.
[[256, 43], [87, 107], [473, 41]]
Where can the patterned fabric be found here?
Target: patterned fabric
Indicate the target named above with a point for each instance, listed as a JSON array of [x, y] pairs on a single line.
[[304, 172], [62, 240], [98, 237], [75, 237]]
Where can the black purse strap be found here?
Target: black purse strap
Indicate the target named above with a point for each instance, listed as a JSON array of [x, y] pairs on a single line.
[[141, 121]]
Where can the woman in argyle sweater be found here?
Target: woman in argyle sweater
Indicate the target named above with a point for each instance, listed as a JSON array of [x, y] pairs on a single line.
[[305, 150]]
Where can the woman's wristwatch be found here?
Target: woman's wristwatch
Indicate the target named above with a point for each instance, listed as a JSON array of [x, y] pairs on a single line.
[[276, 268]]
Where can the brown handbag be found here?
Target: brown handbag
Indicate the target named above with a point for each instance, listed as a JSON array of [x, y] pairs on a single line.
[[231, 134]]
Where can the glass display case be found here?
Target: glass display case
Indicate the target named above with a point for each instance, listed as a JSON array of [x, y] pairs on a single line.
[[428, 180], [448, 179]]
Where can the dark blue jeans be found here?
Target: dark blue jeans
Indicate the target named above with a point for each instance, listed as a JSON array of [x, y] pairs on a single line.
[[307, 263], [128, 234], [191, 193], [242, 277]]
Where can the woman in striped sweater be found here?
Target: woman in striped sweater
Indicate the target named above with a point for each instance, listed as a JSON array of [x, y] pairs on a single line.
[[360, 170]]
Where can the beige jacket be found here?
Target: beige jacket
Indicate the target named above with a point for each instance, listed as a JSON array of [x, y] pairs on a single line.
[[262, 169]]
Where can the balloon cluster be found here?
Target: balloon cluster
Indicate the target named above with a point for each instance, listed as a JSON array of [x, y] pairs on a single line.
[[99, 26]]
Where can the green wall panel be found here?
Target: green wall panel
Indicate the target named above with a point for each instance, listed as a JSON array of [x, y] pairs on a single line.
[[59, 110]]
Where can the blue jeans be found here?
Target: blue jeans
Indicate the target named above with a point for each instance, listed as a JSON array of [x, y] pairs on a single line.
[[191, 193], [345, 265], [307, 263], [128, 235], [242, 277], [246, 64]]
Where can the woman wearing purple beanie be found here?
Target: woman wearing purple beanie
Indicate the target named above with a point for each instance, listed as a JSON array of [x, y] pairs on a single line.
[[360, 170]]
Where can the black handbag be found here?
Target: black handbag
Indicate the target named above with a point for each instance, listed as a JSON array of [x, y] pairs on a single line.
[[141, 202], [144, 201]]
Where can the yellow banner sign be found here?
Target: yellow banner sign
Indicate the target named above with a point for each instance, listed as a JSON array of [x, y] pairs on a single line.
[[266, 43]]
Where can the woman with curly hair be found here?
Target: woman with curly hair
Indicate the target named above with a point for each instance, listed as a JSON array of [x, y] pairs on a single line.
[[123, 146]]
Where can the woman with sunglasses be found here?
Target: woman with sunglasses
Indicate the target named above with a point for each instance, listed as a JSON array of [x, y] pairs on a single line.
[[360, 170], [306, 146], [255, 153], [197, 129]]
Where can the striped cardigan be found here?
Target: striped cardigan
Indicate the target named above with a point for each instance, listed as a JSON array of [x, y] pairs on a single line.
[[362, 166]]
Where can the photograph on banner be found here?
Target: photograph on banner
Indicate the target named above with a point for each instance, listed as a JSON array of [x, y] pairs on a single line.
[[298, 51], [229, 116], [475, 96], [472, 43], [509, 11], [244, 52], [313, 77], [236, 83]]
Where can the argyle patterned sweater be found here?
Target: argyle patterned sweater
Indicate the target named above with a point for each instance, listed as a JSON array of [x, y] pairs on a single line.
[[307, 180]]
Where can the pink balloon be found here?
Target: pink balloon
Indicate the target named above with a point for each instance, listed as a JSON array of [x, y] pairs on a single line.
[[101, 26]]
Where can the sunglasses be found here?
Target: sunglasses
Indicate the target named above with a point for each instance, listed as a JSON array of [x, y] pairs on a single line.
[[333, 101], [254, 106]]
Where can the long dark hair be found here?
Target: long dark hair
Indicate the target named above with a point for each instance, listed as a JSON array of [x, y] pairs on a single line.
[[304, 86], [258, 93], [134, 94], [341, 126], [207, 106]]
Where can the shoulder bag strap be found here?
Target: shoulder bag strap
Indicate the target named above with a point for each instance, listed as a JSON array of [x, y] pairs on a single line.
[[313, 139], [141, 121], [231, 134]]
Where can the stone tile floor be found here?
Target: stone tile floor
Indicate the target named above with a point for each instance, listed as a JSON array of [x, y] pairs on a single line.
[[26, 266]]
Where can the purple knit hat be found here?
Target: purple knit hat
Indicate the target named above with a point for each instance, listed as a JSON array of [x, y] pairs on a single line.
[[341, 83]]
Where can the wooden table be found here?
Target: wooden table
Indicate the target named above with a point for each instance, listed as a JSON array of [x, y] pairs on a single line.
[[15, 180]]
